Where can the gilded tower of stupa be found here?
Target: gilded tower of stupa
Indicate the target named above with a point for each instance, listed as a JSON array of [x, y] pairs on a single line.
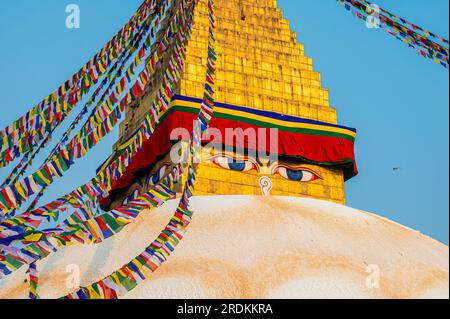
[[260, 67]]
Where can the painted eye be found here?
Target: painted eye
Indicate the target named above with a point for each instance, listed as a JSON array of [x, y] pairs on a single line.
[[298, 175], [233, 164]]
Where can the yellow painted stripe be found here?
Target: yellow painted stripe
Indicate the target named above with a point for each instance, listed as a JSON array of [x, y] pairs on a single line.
[[267, 119]]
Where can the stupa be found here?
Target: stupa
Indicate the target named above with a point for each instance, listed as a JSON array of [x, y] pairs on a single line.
[[299, 242]]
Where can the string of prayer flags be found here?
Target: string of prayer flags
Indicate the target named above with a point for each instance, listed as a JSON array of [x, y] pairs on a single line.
[[21, 168], [84, 229], [424, 43], [102, 182], [137, 270], [412, 25], [104, 179], [28, 130], [99, 124], [113, 98], [32, 270]]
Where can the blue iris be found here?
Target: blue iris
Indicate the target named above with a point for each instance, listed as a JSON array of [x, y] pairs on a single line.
[[294, 175], [236, 165]]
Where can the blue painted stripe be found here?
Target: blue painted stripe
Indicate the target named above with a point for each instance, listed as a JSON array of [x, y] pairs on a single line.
[[274, 115]]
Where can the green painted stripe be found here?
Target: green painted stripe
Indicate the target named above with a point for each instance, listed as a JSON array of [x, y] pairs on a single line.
[[259, 123]]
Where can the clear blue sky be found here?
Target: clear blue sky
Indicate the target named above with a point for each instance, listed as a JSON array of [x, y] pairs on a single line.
[[398, 101]]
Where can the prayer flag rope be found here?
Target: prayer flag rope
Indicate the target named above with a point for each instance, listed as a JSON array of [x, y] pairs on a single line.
[[118, 67], [34, 278], [28, 130], [99, 111], [99, 125], [412, 25], [97, 228], [85, 198], [424, 44], [36, 216], [80, 230], [137, 270]]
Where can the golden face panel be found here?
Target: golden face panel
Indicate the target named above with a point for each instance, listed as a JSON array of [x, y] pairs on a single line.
[[240, 163], [233, 173], [223, 172]]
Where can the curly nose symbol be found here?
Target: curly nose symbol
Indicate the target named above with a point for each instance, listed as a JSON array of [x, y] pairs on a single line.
[[266, 185]]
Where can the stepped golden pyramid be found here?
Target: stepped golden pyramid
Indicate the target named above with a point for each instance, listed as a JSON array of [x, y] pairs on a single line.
[[260, 66]]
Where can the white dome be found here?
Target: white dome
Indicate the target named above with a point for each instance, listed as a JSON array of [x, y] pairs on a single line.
[[262, 247]]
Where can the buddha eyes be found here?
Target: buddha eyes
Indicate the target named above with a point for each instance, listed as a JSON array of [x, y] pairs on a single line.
[[234, 164], [243, 165], [298, 175]]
